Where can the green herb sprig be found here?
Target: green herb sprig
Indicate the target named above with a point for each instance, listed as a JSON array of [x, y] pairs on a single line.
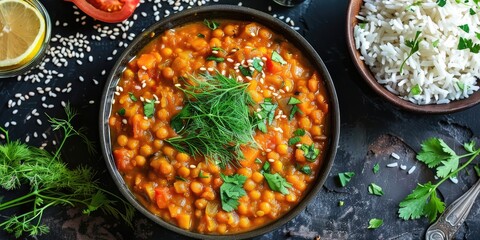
[[215, 120], [414, 46], [231, 190], [436, 154], [51, 183]]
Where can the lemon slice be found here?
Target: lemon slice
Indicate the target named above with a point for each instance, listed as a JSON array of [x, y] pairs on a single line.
[[22, 32]]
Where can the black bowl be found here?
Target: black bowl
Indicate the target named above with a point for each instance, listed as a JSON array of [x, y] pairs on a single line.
[[233, 13]]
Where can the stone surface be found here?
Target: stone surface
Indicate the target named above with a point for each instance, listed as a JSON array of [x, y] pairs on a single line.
[[371, 131]]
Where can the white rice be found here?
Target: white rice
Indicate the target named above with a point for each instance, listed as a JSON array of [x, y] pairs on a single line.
[[442, 71]]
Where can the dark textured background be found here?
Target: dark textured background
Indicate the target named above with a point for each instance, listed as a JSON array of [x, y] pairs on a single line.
[[371, 129]]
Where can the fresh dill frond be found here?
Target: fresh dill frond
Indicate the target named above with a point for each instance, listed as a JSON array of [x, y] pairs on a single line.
[[51, 183], [215, 120]]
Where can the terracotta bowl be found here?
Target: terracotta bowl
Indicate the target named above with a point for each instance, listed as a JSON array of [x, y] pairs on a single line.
[[454, 106], [220, 12]]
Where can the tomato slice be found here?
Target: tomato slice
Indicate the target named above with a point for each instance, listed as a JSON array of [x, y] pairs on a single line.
[[110, 11]]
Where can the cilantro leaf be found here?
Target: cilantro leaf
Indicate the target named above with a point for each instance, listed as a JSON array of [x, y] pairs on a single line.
[[304, 169], [293, 101], [266, 167], [121, 112], [416, 90], [294, 140], [472, 12], [477, 35], [245, 71], [216, 59], [345, 178], [310, 152], [201, 175], [374, 189], [414, 46], [465, 28], [257, 64], [211, 24], [299, 132], [362, 25], [432, 152], [257, 160], [200, 35], [376, 168], [435, 43], [375, 223], [231, 190], [277, 183], [415, 204], [132, 96], [449, 166], [441, 3], [276, 57], [149, 108], [266, 114]]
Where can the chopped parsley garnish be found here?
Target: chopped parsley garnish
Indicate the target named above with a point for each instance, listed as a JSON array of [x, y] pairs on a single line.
[[465, 43], [416, 90], [416, 3], [294, 140], [345, 178], [180, 178], [461, 85], [465, 28], [376, 168], [257, 64], [299, 132], [200, 174], [341, 203], [216, 59], [245, 71], [310, 152], [294, 101], [121, 112], [413, 45], [472, 12], [435, 43], [304, 169], [149, 108], [266, 115], [132, 96], [266, 167], [257, 160], [277, 183], [276, 57], [441, 3], [362, 25], [375, 223], [374, 189], [200, 35], [211, 24], [477, 35], [231, 190], [218, 49]]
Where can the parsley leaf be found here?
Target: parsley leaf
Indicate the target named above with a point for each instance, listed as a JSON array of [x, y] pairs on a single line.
[[121, 112], [416, 90], [266, 115], [294, 101], [266, 167], [245, 71], [345, 178], [277, 183], [436, 152], [257, 64], [477, 35], [435, 43], [200, 35], [231, 190], [465, 28], [200, 175], [374, 189], [276, 57], [299, 132], [149, 108], [376, 168], [472, 12], [257, 160], [132, 96], [413, 45], [294, 140], [441, 3], [375, 223], [211, 24], [304, 169], [414, 206], [216, 59], [362, 25], [465, 43], [310, 152]]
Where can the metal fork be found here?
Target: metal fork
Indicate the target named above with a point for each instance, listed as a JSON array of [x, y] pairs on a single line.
[[453, 217]]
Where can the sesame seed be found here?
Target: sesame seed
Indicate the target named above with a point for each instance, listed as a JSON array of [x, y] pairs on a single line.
[[124, 121]]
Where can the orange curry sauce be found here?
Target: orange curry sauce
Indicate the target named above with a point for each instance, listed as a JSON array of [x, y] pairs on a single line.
[[184, 190]]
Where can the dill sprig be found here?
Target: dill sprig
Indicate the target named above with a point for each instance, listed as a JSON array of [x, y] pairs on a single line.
[[51, 183], [215, 120]]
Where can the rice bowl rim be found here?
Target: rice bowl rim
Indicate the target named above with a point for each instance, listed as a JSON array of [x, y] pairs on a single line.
[[354, 7]]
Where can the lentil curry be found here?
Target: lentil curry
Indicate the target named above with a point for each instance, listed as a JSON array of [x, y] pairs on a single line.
[[284, 114]]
